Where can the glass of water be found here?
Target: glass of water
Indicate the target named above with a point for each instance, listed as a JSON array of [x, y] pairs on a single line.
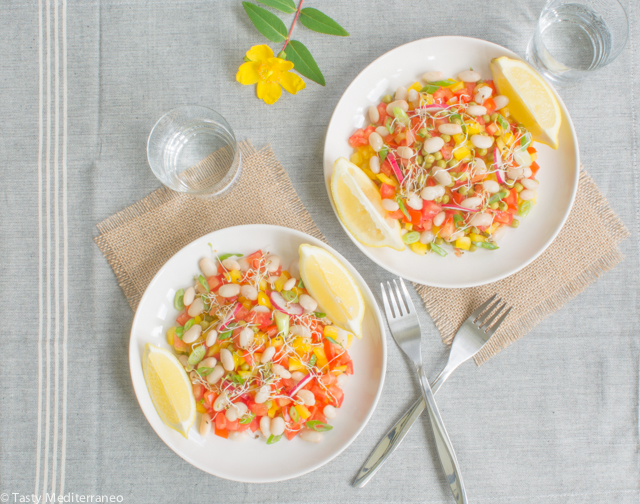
[[193, 150], [576, 37]]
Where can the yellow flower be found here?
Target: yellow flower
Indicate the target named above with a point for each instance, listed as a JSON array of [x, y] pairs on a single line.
[[269, 73]]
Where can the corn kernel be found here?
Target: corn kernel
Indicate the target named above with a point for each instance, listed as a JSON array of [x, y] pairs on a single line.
[[464, 242], [419, 248], [263, 300]]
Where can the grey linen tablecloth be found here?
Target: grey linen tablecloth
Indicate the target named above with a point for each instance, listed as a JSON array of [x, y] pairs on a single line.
[[552, 419]]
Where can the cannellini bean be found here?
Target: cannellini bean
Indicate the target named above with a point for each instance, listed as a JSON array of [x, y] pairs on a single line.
[[200, 288], [469, 76], [244, 265], [273, 263], [196, 308], [482, 94], [473, 202], [476, 110], [262, 395], [192, 334], [307, 397], [433, 76], [450, 129], [220, 402], [438, 219], [456, 234], [289, 284], [480, 219], [342, 338], [231, 264], [374, 115], [479, 165], [184, 360], [481, 141], [212, 337], [194, 377], [277, 426], [374, 164], [440, 190], [426, 237], [205, 424], [310, 436], [429, 193], [189, 296], [390, 205], [522, 157], [227, 359], [229, 290], [342, 380], [231, 414], [296, 376], [308, 303], [432, 145], [260, 308], [515, 173], [501, 101], [442, 176], [246, 337], [375, 141], [281, 371], [404, 152], [265, 426], [527, 172], [412, 95], [529, 183], [410, 137], [237, 435], [527, 194], [209, 362], [414, 201], [499, 233], [242, 409], [208, 267], [491, 186], [329, 411], [382, 131], [300, 330], [249, 291], [401, 93], [215, 375], [398, 103], [268, 354]]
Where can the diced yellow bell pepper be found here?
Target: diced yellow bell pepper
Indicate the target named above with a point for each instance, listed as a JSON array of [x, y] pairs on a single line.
[[263, 300], [419, 248], [369, 173], [476, 237], [321, 357], [473, 128], [366, 152], [244, 374], [387, 180], [508, 138], [416, 85], [301, 346], [493, 227], [339, 370], [356, 158], [459, 138], [170, 334], [461, 153], [408, 226], [263, 284], [282, 279], [456, 87], [295, 364], [331, 331], [302, 411], [534, 156], [464, 242], [505, 111], [197, 319], [500, 144], [200, 407], [426, 99], [435, 229], [236, 360], [213, 350], [273, 409], [276, 342], [233, 276]]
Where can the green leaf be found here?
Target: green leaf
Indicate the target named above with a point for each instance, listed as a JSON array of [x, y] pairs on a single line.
[[247, 419], [225, 335], [525, 208], [318, 426], [313, 360], [301, 284], [293, 413], [270, 25], [286, 6], [303, 62], [321, 23], [320, 314], [435, 248], [430, 89], [189, 324], [204, 371], [178, 301], [443, 83], [227, 256], [197, 355], [383, 153], [273, 439], [402, 207], [486, 245], [237, 379]]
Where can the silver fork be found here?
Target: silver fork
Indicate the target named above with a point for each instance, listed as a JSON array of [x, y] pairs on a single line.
[[405, 329], [470, 338]]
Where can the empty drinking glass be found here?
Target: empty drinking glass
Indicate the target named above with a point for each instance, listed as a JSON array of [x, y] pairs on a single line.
[[576, 37], [193, 150]]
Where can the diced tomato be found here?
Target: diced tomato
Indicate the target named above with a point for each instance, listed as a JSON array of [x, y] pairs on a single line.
[[242, 426], [503, 217], [328, 379], [214, 282], [457, 197], [224, 433], [531, 150], [257, 409], [429, 210], [336, 392], [397, 214], [357, 139], [254, 259], [242, 313], [490, 105], [491, 85], [183, 318], [255, 424], [271, 331], [235, 336], [179, 345], [512, 198], [385, 168], [221, 421], [349, 370], [491, 128], [447, 228], [446, 152], [440, 96], [416, 216], [448, 93], [387, 191], [283, 401], [232, 426], [480, 120], [198, 391], [382, 111], [249, 358], [263, 320], [534, 168], [328, 350], [290, 434], [209, 399]]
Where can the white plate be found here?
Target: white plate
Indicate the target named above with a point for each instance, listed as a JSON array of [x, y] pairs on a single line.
[[252, 460], [558, 174]]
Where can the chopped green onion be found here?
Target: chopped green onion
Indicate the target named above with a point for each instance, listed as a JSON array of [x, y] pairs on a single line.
[[225, 335], [503, 122], [401, 115], [237, 379], [273, 439], [332, 340], [458, 221], [293, 413], [189, 324], [320, 314], [410, 237], [178, 301], [282, 321], [486, 245], [318, 426], [525, 141], [301, 284], [179, 332], [402, 207], [438, 250], [444, 83], [290, 296], [312, 360], [430, 88], [197, 355], [227, 256], [383, 153], [525, 208], [204, 371], [389, 125], [203, 281], [247, 419]]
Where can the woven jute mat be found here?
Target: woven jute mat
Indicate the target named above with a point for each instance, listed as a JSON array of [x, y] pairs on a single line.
[[138, 241]]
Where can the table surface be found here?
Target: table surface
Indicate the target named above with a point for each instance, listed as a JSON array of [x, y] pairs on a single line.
[[554, 418]]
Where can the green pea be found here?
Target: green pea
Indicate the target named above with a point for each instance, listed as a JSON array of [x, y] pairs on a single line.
[[438, 200], [452, 163], [446, 138], [486, 118], [494, 205], [423, 132], [503, 194], [387, 98], [471, 192], [502, 206], [457, 120], [518, 187], [493, 117], [451, 184], [417, 146], [419, 159], [424, 152], [428, 165], [515, 223], [463, 177], [441, 163], [472, 248], [437, 156], [245, 367], [439, 241], [445, 199], [475, 230], [463, 190], [482, 152], [431, 158]]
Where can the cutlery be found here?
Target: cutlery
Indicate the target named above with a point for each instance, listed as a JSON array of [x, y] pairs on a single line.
[[470, 338]]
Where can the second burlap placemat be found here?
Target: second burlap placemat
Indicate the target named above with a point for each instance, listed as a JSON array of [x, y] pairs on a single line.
[[138, 240]]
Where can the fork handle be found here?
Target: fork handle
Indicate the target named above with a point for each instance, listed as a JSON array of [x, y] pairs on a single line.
[[443, 443]]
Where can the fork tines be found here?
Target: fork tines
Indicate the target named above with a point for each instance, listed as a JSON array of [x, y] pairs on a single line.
[[403, 305], [490, 315]]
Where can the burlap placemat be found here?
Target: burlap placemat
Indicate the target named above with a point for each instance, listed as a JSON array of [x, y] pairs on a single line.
[[138, 240]]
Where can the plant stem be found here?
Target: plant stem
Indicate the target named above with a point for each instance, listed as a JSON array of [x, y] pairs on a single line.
[[292, 25]]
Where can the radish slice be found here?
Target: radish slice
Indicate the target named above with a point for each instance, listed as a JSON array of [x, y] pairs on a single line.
[[299, 386], [396, 168], [453, 206], [281, 304], [435, 107], [231, 317]]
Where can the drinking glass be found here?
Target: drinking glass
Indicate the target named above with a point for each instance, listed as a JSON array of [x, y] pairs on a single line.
[[193, 150], [576, 37]]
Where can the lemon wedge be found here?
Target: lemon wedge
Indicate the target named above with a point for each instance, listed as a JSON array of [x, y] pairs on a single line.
[[531, 101], [169, 388], [359, 207], [333, 287]]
